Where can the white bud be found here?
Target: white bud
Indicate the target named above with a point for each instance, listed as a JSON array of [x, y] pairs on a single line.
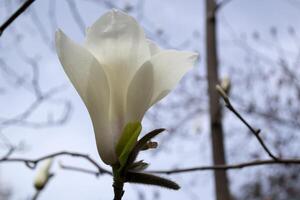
[[226, 84], [43, 174]]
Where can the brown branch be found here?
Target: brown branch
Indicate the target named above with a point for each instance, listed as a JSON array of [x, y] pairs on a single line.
[[229, 167], [256, 132], [38, 192], [254, 163], [31, 163], [9, 152], [79, 169], [15, 15]]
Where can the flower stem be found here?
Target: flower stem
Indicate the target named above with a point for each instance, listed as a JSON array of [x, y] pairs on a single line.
[[118, 184], [118, 189]]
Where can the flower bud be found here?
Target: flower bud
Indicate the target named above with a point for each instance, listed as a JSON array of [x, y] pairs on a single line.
[[43, 175], [226, 84], [222, 93]]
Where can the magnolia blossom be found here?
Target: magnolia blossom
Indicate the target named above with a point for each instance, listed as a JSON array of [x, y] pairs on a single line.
[[119, 74]]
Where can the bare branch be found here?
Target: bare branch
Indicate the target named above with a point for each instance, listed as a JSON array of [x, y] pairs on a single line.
[[21, 118], [79, 169], [229, 167], [31, 163], [76, 15], [222, 4], [255, 163], [256, 132], [15, 15], [38, 192], [40, 28], [9, 152]]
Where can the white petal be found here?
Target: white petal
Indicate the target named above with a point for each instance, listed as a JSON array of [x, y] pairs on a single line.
[[169, 68], [154, 48], [140, 93], [75, 60], [90, 81], [119, 43], [117, 40]]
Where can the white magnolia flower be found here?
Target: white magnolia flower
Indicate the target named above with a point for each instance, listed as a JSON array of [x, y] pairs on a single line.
[[119, 74]]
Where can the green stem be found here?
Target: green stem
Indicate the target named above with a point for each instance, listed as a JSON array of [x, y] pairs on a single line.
[[118, 184]]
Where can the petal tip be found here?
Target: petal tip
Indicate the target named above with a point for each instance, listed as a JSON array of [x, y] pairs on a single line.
[[58, 36], [118, 14], [109, 17], [59, 40], [195, 57], [114, 11], [58, 32]]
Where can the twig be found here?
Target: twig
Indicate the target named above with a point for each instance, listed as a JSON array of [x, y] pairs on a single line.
[[31, 163], [76, 15], [21, 118], [255, 132], [15, 15], [36, 195], [79, 169], [9, 152], [38, 192], [222, 4], [254, 163], [229, 167]]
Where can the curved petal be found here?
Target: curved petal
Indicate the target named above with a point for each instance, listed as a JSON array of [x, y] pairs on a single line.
[[116, 39], [119, 43], [169, 67], [154, 48], [89, 79], [75, 60], [140, 92]]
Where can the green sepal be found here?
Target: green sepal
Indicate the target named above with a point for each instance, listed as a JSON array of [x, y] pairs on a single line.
[[127, 141], [138, 166], [149, 179], [149, 145], [141, 144]]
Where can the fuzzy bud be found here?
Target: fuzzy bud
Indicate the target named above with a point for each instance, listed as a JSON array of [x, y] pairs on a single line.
[[43, 175], [226, 85]]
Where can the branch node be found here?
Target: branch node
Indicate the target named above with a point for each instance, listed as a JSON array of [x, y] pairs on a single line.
[[30, 164]]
